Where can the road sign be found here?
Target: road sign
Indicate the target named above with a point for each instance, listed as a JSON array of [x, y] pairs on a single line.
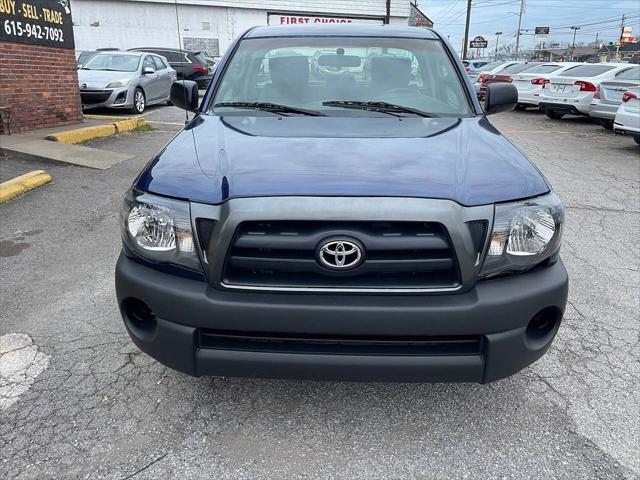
[[541, 34], [478, 42]]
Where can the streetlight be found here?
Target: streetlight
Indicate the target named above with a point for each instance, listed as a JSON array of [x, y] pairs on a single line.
[[573, 45], [497, 37]]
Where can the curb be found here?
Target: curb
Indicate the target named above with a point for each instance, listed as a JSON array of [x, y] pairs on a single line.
[[79, 135], [24, 183]]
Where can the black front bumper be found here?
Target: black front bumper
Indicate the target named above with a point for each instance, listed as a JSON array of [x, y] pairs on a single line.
[[495, 313]]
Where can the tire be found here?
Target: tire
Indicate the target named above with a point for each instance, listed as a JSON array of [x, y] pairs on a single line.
[[637, 139], [553, 114], [607, 124], [520, 107], [139, 101], [169, 103]]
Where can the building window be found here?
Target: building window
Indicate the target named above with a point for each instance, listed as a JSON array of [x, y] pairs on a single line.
[[206, 26]]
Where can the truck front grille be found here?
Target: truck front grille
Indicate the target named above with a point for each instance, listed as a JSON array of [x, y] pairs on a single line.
[[397, 256], [339, 345]]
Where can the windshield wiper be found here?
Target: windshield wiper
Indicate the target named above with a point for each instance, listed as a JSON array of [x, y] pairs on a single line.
[[383, 107], [271, 107]]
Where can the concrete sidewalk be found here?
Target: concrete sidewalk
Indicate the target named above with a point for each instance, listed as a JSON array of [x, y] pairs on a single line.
[[32, 145]]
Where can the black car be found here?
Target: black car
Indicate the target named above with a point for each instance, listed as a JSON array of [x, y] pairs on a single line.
[[190, 64], [342, 226]]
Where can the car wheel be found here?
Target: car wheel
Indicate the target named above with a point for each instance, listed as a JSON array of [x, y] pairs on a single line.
[[553, 114], [637, 139], [520, 107], [169, 102], [607, 124], [139, 101]]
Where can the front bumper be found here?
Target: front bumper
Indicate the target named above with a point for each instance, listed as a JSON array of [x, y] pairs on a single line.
[[112, 98], [496, 312]]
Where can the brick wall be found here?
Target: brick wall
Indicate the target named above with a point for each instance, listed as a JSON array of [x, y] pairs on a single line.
[[39, 85]]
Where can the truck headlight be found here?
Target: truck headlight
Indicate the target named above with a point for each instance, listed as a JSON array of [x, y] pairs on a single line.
[[525, 234], [158, 229], [118, 83]]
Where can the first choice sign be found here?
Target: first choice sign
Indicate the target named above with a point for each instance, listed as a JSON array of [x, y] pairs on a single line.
[[37, 22], [478, 42], [291, 19]]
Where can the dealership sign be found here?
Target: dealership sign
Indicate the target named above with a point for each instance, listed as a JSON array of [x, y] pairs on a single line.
[[541, 34], [478, 42], [38, 22], [286, 19]]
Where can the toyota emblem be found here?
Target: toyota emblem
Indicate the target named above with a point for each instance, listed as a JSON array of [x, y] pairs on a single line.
[[340, 254]]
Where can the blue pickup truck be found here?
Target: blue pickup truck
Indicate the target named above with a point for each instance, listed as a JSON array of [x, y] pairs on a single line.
[[341, 208]]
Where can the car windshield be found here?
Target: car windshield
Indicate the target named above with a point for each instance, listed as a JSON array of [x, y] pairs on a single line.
[[341, 76], [586, 71], [631, 74], [113, 63], [543, 69], [517, 68]]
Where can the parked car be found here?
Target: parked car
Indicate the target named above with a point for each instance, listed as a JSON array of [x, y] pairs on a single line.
[[125, 80], [571, 91], [627, 119], [189, 64], [83, 57], [471, 66], [285, 233], [504, 76], [608, 96], [529, 82], [485, 72], [473, 71]]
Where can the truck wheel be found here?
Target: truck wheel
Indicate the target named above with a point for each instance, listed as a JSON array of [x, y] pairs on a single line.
[[139, 101], [607, 124], [553, 114]]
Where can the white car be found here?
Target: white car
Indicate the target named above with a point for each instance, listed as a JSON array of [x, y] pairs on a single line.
[[628, 115], [489, 69], [608, 96], [529, 83], [571, 91]]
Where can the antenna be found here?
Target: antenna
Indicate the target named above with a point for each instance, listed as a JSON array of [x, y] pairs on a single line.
[[186, 112]]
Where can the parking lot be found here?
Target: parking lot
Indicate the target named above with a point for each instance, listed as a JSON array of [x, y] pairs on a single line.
[[91, 405]]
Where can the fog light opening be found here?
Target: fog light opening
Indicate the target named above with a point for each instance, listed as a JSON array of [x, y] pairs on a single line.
[[542, 328], [139, 318]]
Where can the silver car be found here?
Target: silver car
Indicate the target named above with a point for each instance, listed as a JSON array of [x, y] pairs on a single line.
[[608, 96], [125, 80]]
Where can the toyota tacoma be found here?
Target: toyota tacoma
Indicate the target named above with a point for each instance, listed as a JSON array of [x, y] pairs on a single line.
[[340, 208]]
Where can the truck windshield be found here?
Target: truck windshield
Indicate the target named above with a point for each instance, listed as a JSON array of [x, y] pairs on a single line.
[[340, 76]]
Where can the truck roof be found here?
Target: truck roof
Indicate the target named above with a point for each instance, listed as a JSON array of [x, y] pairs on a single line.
[[341, 30]]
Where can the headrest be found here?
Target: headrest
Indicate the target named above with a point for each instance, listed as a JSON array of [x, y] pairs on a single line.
[[289, 72], [391, 71]]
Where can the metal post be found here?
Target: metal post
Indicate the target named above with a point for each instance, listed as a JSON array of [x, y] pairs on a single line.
[[573, 45], [519, 25], [497, 38], [466, 31]]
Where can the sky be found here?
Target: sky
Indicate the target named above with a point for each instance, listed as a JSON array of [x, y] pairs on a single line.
[[602, 17]]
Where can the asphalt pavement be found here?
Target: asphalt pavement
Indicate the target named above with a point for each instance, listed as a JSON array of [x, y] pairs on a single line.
[[79, 400]]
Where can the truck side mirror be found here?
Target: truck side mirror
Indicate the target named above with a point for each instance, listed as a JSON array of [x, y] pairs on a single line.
[[184, 94], [500, 97]]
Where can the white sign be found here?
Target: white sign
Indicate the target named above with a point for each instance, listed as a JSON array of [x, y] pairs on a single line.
[[284, 19]]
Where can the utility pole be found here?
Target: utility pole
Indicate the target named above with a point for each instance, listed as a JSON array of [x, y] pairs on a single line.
[[466, 31], [497, 37], [621, 28], [519, 25], [573, 45]]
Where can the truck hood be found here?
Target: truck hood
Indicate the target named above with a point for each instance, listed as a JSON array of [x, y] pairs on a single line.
[[465, 160]]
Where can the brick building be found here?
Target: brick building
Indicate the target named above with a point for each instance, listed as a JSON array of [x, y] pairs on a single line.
[[38, 76]]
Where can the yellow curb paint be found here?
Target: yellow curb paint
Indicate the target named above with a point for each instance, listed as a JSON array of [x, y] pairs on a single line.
[[24, 183], [83, 134], [129, 124], [79, 135]]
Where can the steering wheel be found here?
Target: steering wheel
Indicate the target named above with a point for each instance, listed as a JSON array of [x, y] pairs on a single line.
[[409, 90]]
